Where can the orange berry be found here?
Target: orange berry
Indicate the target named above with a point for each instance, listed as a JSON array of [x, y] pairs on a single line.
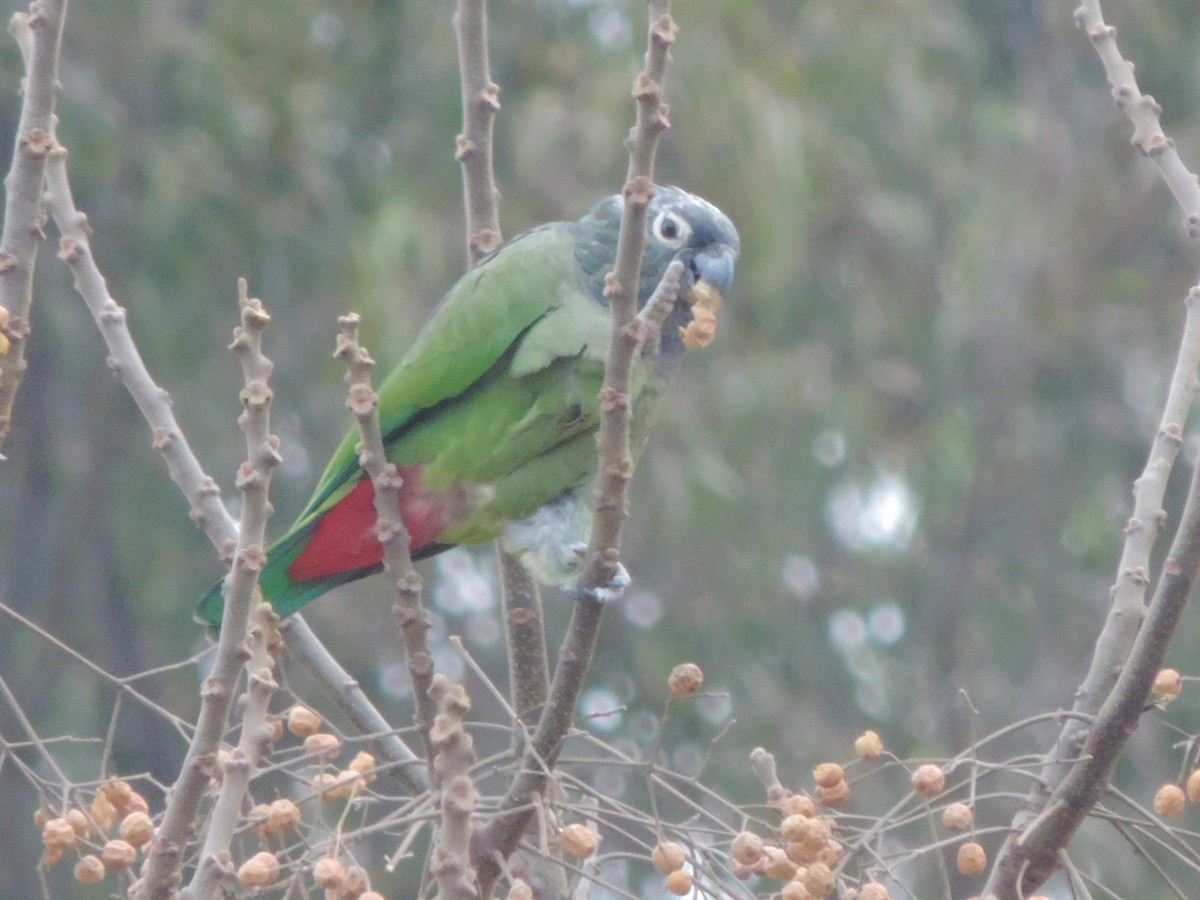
[[282, 816], [928, 780], [1169, 800], [668, 857], [262, 868], [364, 764], [137, 829], [1193, 786], [118, 855], [51, 855], [89, 869], [868, 745], [777, 865], [1167, 684], [579, 841], [103, 812], [874, 891], [957, 817], [828, 774], [794, 890], [58, 833], [799, 805], [833, 796], [685, 680], [329, 874], [747, 848], [972, 859], [322, 747], [679, 883], [302, 721], [819, 880], [79, 822]]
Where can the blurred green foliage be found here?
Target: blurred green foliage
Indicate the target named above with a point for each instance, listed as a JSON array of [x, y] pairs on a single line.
[[900, 473]]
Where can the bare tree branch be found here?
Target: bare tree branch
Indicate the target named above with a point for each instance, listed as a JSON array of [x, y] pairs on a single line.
[[614, 468], [480, 100], [389, 527], [39, 35], [1128, 650]]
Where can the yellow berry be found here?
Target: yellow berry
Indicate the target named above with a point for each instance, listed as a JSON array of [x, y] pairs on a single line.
[[685, 680], [579, 841], [89, 869], [329, 874], [679, 883], [828, 774], [118, 855], [668, 857], [957, 817], [1193, 786], [868, 745], [971, 859], [928, 780], [1167, 683], [302, 721], [1169, 800], [747, 848]]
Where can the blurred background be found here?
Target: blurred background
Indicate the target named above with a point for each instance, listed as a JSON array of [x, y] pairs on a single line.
[[896, 481]]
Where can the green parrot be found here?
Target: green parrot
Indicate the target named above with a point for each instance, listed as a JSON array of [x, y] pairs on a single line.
[[492, 415]]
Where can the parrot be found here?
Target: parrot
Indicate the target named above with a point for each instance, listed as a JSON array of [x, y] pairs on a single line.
[[492, 414]]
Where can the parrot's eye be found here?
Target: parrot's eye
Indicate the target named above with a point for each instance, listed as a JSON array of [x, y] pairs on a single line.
[[671, 229]]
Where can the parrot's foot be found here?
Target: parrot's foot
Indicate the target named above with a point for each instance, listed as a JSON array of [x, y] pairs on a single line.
[[612, 590]]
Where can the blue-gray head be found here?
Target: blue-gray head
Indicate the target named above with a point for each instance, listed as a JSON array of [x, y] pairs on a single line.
[[679, 226]]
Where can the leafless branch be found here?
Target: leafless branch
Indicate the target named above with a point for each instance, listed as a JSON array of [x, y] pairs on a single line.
[[1127, 648], [615, 463], [480, 100], [39, 35], [389, 528]]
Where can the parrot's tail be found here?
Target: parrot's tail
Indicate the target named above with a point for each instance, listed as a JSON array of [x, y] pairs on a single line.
[[284, 594]]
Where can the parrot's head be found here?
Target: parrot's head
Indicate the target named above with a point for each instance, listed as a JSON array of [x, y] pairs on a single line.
[[679, 226]]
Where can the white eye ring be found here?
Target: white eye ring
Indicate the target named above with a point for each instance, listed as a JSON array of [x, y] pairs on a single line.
[[672, 229]]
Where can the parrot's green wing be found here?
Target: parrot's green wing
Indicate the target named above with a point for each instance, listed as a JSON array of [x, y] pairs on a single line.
[[499, 320]]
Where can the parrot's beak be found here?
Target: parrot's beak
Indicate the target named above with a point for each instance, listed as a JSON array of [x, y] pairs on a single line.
[[713, 270]]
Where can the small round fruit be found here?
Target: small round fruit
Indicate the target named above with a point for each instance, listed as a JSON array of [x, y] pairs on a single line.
[[1169, 800], [1167, 684], [579, 841], [137, 829], [868, 745], [668, 857], [118, 854], [329, 874], [928, 780], [833, 796], [828, 774], [58, 833], [89, 869], [873, 891], [302, 721], [1193, 786], [679, 883], [972, 859], [747, 848], [957, 817], [685, 680]]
